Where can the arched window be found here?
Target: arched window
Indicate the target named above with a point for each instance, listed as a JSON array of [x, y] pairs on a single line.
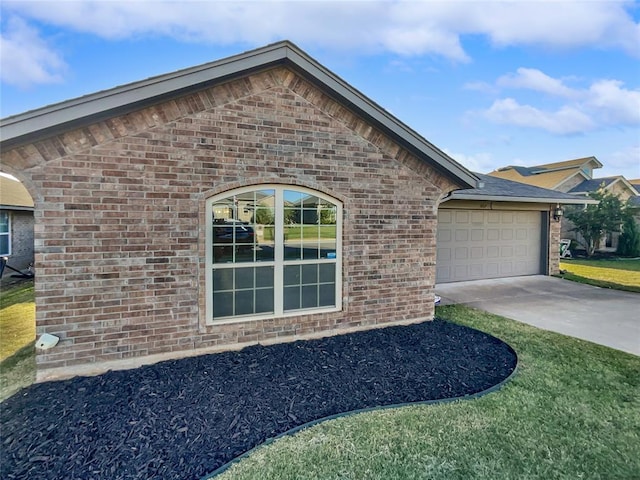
[[272, 251]]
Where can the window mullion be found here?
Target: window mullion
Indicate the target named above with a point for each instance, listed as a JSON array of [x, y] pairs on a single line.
[[278, 269]]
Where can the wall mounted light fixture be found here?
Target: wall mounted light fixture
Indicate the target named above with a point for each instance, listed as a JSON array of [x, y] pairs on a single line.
[[558, 213]]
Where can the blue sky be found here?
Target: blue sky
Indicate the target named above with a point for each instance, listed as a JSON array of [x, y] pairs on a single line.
[[490, 83]]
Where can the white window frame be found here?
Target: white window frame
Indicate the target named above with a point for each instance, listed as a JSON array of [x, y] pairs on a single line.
[[7, 233], [278, 263]]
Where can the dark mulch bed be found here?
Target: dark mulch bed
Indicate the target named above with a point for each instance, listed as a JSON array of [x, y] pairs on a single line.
[[183, 419]]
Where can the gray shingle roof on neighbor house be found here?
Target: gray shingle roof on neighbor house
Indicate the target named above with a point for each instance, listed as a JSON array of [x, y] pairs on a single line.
[[54, 119], [500, 190], [593, 184]]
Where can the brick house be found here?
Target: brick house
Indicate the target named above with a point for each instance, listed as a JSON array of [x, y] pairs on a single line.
[[16, 224], [259, 198]]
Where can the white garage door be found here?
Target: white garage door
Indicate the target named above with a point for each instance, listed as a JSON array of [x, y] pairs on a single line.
[[476, 244]]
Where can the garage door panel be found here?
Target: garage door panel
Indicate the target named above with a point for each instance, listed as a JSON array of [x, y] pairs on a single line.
[[476, 244], [506, 234], [462, 235], [477, 235]]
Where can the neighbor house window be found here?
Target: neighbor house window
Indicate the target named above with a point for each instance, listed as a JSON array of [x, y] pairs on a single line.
[[272, 251], [5, 234]]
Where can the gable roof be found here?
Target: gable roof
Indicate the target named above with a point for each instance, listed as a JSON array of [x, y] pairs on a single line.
[[496, 189], [548, 175], [527, 175], [13, 195], [54, 119], [578, 162], [595, 183]]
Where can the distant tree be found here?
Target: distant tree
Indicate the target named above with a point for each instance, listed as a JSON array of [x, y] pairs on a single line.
[[629, 241], [264, 215], [592, 222]]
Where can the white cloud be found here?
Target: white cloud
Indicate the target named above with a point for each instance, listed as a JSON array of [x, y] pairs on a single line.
[[625, 161], [26, 58], [402, 27], [482, 87], [479, 162], [614, 104], [564, 121], [564, 24], [602, 104], [533, 79]]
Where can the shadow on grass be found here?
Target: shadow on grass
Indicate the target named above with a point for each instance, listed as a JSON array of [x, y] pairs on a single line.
[[598, 283], [18, 371]]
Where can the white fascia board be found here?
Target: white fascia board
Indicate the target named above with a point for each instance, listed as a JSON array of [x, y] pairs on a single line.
[[499, 198]]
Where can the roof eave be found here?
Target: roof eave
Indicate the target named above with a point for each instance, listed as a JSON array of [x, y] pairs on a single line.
[[501, 198], [22, 208]]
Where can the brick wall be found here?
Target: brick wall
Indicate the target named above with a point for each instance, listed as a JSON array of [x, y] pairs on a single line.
[[554, 245], [120, 217]]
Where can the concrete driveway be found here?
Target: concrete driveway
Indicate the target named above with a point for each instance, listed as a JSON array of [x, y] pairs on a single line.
[[599, 315]]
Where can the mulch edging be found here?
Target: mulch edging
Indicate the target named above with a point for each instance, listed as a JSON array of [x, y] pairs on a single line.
[[184, 419]]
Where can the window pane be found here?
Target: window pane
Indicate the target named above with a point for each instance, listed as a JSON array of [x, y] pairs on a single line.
[[4, 244], [222, 304], [222, 279], [244, 278], [328, 214], [264, 221], [291, 298], [292, 242], [309, 274], [244, 302], [310, 216], [222, 254], [293, 197], [4, 222], [311, 251], [264, 300], [327, 295], [264, 277], [291, 216], [327, 272], [309, 296], [292, 275]]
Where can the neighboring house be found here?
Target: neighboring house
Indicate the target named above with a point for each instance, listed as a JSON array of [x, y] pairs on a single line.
[[259, 198], [16, 224], [576, 178]]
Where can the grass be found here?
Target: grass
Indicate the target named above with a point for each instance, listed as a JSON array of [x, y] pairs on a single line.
[[623, 274], [17, 337], [571, 412], [296, 232]]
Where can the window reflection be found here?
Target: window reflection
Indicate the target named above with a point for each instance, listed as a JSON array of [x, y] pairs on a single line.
[[297, 243]]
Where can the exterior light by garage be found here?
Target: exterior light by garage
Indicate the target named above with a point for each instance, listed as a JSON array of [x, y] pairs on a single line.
[[558, 213]]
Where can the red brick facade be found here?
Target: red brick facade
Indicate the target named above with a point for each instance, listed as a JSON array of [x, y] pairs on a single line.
[[120, 215]]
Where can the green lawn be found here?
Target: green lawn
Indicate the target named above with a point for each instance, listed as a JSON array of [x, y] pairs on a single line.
[[621, 274], [17, 318], [296, 232], [571, 412], [17, 336]]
